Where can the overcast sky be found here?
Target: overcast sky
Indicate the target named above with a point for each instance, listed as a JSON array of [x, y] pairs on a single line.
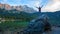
[[48, 5]]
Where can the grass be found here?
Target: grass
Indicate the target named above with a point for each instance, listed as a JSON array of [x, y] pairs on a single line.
[[13, 24]]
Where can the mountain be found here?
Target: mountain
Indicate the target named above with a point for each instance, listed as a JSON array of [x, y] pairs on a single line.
[[28, 9], [24, 8]]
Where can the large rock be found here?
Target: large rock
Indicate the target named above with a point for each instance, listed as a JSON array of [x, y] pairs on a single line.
[[38, 25]]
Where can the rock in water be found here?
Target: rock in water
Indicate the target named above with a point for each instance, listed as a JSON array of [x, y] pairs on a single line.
[[37, 26]]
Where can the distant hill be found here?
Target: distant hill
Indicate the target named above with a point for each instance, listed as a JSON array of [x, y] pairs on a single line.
[[54, 17]]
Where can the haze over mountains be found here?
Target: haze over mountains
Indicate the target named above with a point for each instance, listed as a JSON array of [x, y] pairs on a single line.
[[18, 8]]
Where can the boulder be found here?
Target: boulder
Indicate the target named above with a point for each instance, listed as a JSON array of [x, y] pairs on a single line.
[[38, 25]]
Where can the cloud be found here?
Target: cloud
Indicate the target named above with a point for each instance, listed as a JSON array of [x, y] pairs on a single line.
[[10, 1], [3, 1], [22, 2], [53, 5], [34, 4], [16, 2]]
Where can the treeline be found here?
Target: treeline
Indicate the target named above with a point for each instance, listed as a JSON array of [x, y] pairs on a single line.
[[14, 14]]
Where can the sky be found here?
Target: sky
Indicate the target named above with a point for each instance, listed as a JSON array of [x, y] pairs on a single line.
[[48, 5]]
